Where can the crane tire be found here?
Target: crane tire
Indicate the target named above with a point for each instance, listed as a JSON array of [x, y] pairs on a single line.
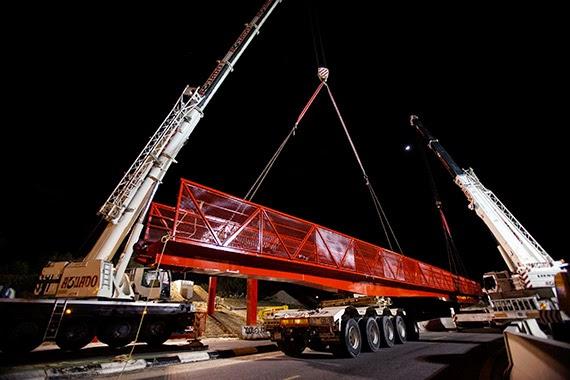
[[73, 336]]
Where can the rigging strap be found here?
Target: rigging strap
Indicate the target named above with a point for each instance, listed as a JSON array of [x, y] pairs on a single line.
[[323, 74], [388, 232], [253, 190], [455, 263]]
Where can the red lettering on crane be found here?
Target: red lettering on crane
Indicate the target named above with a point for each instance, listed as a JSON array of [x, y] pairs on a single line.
[[80, 281]]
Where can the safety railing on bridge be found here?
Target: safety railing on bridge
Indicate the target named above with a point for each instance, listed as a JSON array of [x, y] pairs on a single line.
[[210, 218]]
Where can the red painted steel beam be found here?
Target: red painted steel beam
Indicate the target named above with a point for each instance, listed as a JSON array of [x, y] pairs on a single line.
[[251, 301], [213, 230], [211, 267], [212, 287]]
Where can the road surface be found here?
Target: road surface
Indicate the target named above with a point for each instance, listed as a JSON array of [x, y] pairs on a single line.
[[438, 355]]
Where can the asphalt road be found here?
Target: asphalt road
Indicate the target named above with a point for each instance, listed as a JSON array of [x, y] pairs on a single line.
[[437, 355]]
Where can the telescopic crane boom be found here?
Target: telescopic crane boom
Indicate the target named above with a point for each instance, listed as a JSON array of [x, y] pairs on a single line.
[[531, 266], [125, 208]]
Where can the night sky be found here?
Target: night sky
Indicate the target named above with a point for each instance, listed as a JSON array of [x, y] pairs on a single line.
[[86, 87]]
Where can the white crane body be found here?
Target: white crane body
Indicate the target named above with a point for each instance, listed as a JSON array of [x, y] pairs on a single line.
[[84, 299], [126, 206], [523, 255], [529, 284]]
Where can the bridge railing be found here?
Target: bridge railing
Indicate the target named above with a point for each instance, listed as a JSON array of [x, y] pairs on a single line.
[[211, 218]]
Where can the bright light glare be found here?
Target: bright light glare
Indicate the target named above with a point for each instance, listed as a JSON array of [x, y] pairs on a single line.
[[407, 148]]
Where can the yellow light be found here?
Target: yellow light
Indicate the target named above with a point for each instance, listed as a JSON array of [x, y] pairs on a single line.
[[67, 311], [295, 321]]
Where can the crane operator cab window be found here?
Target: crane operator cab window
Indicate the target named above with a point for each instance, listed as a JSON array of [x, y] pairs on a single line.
[[157, 281]]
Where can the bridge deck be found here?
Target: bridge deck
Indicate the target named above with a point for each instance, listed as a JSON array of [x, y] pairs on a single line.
[[217, 233]]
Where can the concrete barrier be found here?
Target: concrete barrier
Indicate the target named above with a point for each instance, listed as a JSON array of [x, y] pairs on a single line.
[[536, 358], [254, 332], [437, 324]]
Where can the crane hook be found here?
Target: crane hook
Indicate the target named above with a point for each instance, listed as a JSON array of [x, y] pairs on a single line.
[[323, 74]]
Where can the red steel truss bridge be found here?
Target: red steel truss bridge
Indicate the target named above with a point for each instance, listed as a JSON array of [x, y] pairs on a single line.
[[219, 234]]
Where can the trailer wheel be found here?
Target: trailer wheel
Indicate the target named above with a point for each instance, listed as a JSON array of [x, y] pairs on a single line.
[[350, 340], [116, 334], [387, 333], [21, 337], [156, 333], [371, 334], [401, 335], [292, 345], [412, 330], [74, 336]]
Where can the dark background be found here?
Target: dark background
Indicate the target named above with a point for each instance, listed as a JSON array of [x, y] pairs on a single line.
[[85, 88]]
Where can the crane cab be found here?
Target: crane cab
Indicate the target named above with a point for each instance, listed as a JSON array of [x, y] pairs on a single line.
[[150, 283]]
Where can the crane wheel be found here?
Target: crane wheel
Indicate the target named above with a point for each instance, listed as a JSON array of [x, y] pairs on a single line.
[[21, 337], [74, 336], [371, 334], [155, 333], [116, 334]]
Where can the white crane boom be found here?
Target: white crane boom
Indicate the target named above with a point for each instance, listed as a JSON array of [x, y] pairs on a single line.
[[518, 247], [125, 208], [523, 255], [133, 193]]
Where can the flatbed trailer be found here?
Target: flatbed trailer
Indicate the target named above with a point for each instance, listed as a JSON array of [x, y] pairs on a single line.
[[344, 327]]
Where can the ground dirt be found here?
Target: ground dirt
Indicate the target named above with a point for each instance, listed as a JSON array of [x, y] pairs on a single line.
[[230, 314]]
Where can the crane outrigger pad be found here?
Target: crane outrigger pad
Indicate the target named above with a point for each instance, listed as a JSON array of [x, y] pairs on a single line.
[[213, 232]]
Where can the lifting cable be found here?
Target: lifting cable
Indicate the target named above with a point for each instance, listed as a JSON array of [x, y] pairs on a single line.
[[455, 263], [126, 358], [323, 74], [379, 209], [318, 46], [253, 190]]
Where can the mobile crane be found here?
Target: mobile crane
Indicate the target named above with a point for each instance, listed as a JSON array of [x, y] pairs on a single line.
[[94, 297], [528, 291]]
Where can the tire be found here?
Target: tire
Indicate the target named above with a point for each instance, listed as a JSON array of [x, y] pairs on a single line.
[[155, 333], [401, 335], [371, 334], [73, 336], [116, 334], [387, 333], [350, 343], [412, 331], [21, 337], [293, 345]]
